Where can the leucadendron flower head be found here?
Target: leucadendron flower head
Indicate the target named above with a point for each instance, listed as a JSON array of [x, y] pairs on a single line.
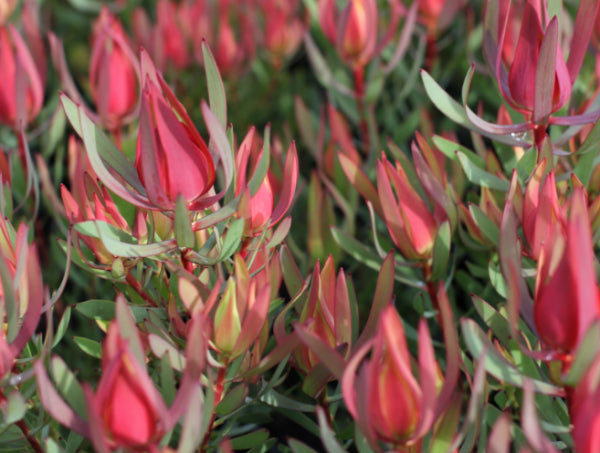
[[21, 292], [354, 31], [241, 311], [383, 393], [567, 298], [21, 91], [172, 159], [113, 72], [126, 411]]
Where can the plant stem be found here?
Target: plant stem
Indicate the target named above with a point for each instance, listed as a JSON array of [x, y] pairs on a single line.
[[30, 438], [359, 95], [219, 387]]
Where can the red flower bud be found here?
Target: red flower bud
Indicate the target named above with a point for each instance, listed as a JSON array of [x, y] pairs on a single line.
[[21, 91], [113, 78], [172, 159], [567, 299]]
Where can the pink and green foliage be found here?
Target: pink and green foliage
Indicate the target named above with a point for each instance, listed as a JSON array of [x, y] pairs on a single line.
[[267, 225]]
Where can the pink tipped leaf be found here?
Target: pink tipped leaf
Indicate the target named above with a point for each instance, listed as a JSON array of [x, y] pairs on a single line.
[[290, 181]]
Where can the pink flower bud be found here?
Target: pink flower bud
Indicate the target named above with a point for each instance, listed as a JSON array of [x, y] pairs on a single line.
[[411, 225], [172, 159], [241, 312], [522, 72], [585, 411], [326, 313], [383, 393], [21, 91], [126, 401], [354, 31], [27, 292], [567, 299], [113, 78]]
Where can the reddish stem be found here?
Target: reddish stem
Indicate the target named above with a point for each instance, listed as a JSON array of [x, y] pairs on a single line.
[[219, 387], [30, 438], [432, 290], [359, 95], [135, 285]]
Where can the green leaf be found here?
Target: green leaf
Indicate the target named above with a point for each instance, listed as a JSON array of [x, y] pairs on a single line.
[[441, 251], [250, 440], [330, 443], [50, 446], [321, 69], [449, 148], [481, 177], [233, 239], [90, 347], [216, 89], [495, 363], [444, 102], [368, 257], [495, 321], [232, 400], [10, 305], [260, 172], [68, 386], [167, 380], [275, 399], [161, 347], [119, 243], [497, 279], [592, 141], [183, 227], [587, 351], [105, 147], [487, 227], [298, 447], [14, 408], [526, 165], [104, 310], [62, 326]]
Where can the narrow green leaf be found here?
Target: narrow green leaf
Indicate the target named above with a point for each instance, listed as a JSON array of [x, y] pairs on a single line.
[[233, 239], [275, 399], [481, 177], [487, 227], [232, 400], [250, 440], [62, 326], [104, 310], [90, 347], [119, 243], [68, 386], [183, 227], [262, 167], [368, 257], [14, 408], [167, 380], [441, 251], [497, 279], [449, 148], [105, 148], [161, 347], [586, 353], [298, 447], [216, 89], [495, 364], [330, 443], [526, 165], [494, 320], [10, 302]]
